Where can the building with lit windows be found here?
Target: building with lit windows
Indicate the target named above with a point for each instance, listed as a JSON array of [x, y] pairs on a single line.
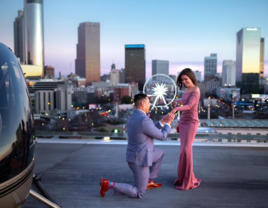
[[135, 64], [228, 73], [44, 101], [248, 56], [210, 65]]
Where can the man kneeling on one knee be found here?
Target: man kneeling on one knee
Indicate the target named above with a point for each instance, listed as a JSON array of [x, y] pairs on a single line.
[[143, 159]]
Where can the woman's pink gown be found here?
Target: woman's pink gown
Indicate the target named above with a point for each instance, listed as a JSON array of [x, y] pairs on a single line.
[[188, 126]]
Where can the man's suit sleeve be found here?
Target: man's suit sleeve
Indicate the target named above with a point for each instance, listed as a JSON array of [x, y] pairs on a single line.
[[158, 125], [149, 128]]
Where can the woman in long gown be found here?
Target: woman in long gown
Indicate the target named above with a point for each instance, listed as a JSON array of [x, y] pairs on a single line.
[[188, 126]]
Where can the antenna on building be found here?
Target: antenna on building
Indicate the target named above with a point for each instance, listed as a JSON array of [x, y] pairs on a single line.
[[113, 66], [70, 68]]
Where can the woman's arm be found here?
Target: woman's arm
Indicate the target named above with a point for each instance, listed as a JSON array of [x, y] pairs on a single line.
[[193, 99]]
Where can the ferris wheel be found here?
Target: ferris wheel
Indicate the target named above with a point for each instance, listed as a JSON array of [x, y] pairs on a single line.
[[161, 90]]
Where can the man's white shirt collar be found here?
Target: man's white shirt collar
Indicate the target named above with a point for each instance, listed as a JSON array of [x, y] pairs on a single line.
[[142, 111]]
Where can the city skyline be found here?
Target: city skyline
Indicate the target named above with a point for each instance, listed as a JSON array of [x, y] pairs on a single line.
[[182, 33]]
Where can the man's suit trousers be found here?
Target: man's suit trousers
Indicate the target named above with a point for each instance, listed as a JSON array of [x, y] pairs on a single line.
[[141, 176]]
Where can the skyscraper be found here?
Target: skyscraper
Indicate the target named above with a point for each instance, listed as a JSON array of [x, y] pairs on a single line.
[[248, 59], [160, 67], [135, 64], [261, 57], [34, 32], [87, 62], [210, 65], [32, 58], [19, 37], [198, 75], [228, 73]]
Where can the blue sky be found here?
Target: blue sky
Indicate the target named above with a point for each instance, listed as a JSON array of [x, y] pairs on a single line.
[[182, 32]]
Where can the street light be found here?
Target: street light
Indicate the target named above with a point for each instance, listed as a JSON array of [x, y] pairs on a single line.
[[208, 111], [115, 131], [233, 111]]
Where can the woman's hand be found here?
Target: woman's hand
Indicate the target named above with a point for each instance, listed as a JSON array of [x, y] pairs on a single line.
[[175, 109]]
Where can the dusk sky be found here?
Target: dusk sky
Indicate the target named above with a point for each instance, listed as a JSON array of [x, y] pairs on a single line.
[[182, 32]]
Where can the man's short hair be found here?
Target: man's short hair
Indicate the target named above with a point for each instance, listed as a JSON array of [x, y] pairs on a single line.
[[138, 98]]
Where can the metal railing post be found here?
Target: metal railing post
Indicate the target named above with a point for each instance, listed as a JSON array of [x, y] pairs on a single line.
[[43, 199]]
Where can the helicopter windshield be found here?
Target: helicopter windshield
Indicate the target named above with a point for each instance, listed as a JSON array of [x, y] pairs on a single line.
[[16, 120]]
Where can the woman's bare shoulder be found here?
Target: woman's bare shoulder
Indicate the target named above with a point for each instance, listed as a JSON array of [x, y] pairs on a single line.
[[194, 89]]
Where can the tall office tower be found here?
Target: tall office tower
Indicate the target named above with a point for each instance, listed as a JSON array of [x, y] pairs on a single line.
[[34, 32], [210, 65], [19, 36], [87, 62], [261, 57], [248, 60], [198, 75], [228, 73], [160, 67], [135, 64]]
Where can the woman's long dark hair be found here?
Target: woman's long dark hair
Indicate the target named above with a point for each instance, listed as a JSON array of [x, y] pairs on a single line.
[[189, 73]]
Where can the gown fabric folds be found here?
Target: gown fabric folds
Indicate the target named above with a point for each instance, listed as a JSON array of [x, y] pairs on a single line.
[[188, 126]]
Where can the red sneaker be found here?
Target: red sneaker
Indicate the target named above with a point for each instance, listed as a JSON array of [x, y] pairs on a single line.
[[104, 184], [153, 185]]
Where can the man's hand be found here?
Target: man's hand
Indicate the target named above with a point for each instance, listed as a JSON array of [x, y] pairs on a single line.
[[168, 118], [163, 120]]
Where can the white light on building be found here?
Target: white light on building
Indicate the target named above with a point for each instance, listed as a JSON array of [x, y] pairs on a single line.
[[228, 73]]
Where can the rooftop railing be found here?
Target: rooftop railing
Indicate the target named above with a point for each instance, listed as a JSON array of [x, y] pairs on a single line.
[[204, 134], [239, 123]]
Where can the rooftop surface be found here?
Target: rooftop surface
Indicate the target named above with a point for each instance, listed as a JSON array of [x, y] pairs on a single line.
[[233, 175]]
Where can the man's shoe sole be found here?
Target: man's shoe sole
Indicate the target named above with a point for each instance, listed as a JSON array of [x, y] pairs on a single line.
[[153, 187]]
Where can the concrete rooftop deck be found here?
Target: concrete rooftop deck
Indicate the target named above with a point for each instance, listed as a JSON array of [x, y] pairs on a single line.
[[232, 175]]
